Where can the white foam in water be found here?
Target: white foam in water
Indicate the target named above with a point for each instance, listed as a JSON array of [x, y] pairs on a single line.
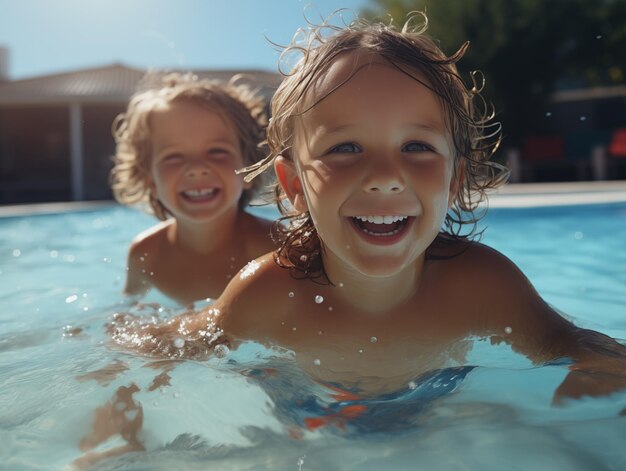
[[237, 410]]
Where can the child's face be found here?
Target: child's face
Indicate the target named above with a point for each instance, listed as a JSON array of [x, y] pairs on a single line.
[[376, 148], [195, 152]]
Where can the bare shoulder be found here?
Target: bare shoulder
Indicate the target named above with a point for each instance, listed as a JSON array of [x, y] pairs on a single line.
[[480, 267], [149, 240], [505, 303], [251, 300]]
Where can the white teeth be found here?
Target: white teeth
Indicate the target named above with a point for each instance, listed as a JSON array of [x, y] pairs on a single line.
[[199, 193], [381, 234], [387, 219]]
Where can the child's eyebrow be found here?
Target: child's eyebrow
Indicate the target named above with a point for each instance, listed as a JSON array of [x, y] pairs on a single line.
[[211, 143], [430, 127]]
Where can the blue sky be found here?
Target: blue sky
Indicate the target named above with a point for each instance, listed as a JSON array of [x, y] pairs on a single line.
[[49, 36]]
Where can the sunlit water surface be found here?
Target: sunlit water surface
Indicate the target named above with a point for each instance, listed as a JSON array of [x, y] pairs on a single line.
[[60, 282]]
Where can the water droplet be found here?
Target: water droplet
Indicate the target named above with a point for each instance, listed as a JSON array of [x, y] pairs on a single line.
[[221, 350], [578, 235], [412, 385], [507, 330], [54, 254], [548, 114], [151, 273], [291, 294], [319, 332], [232, 259], [373, 339], [319, 299], [360, 350], [583, 118], [330, 308], [16, 252], [341, 285], [178, 342], [317, 362], [249, 270], [141, 259], [303, 258], [85, 309], [106, 260], [293, 328], [599, 36], [71, 299], [176, 395]]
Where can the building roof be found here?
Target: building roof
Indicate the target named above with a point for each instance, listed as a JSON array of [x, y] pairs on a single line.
[[110, 84]]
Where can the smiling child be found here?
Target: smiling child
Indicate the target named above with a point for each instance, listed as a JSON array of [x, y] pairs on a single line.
[[178, 146]]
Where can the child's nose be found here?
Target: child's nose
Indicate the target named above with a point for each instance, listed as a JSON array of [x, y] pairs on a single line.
[[195, 170], [384, 178]]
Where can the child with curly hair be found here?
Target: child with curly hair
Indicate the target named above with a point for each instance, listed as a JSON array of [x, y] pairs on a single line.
[[178, 146]]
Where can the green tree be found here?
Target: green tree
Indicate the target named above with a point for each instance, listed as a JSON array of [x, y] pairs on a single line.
[[526, 49]]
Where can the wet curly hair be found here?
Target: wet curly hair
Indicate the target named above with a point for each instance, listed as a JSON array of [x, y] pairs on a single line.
[[130, 175], [470, 119]]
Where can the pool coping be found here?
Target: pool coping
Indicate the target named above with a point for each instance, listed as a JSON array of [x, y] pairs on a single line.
[[525, 195], [512, 195]]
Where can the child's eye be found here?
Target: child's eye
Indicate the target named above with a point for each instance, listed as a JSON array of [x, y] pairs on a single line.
[[416, 147], [345, 148], [218, 153], [172, 158]]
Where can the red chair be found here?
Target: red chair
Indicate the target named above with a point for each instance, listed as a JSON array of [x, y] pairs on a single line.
[[617, 146]]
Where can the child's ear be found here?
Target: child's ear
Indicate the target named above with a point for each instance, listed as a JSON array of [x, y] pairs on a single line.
[[290, 181]]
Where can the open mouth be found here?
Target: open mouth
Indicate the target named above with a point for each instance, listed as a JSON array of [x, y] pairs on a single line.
[[379, 228], [199, 195]]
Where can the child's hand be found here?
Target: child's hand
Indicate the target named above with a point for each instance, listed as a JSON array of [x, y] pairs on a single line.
[[190, 335]]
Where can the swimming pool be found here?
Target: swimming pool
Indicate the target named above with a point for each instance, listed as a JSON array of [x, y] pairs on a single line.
[[60, 282]]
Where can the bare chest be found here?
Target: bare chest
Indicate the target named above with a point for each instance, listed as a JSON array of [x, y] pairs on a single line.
[[335, 345]]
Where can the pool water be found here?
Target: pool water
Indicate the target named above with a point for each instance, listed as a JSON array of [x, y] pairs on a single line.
[[60, 281]]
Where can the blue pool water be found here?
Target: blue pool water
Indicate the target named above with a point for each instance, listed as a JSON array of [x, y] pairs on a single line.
[[60, 282]]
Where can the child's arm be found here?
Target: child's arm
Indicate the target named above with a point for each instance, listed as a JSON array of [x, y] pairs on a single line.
[[520, 317], [599, 368], [195, 334]]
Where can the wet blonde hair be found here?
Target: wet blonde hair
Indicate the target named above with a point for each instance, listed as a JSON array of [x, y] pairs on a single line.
[[468, 117], [238, 104]]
